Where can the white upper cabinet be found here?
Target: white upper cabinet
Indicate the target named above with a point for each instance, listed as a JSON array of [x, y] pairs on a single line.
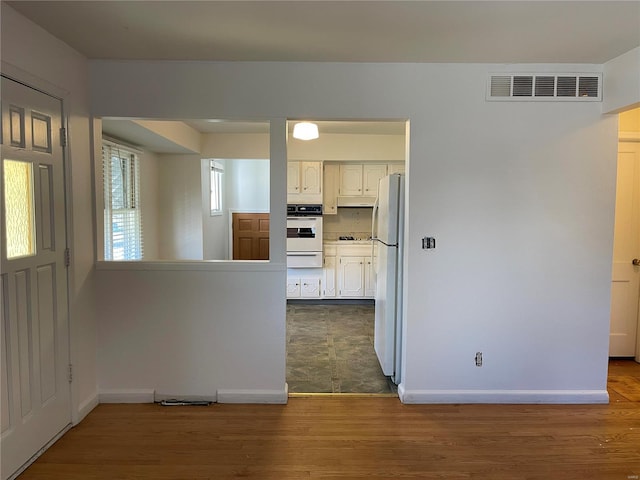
[[304, 182], [371, 175], [330, 188], [311, 176], [293, 178], [361, 179], [350, 179]]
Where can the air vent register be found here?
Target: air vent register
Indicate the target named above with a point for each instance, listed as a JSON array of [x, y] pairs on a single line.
[[545, 87]]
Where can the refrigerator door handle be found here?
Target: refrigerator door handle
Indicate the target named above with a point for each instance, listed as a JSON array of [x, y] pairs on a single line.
[[374, 217]]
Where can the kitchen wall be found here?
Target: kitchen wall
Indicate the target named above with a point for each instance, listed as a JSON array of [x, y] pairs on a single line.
[[348, 221], [519, 195], [348, 147], [180, 205]]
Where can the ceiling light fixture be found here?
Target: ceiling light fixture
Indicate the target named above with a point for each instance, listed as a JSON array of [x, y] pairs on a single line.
[[305, 131]]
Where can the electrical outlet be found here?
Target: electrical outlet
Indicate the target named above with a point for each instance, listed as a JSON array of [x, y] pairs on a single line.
[[478, 359]]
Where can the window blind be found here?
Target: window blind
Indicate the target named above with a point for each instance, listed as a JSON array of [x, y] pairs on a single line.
[[122, 215]]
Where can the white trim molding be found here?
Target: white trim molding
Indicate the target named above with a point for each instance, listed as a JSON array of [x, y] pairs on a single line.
[[503, 396], [85, 408], [253, 396]]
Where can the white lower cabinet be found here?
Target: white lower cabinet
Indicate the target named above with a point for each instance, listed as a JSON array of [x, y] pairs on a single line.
[[310, 288], [329, 277], [351, 277], [303, 288], [347, 273], [293, 288]]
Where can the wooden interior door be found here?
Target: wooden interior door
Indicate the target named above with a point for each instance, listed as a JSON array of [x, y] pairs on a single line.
[[35, 393], [251, 236], [625, 289]]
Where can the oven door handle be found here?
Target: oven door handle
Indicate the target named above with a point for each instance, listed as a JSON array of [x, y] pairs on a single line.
[[302, 254]]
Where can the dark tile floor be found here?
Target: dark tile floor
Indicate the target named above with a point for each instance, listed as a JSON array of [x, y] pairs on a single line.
[[330, 350]]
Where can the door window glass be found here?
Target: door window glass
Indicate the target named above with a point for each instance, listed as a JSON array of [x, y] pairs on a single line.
[[19, 209]]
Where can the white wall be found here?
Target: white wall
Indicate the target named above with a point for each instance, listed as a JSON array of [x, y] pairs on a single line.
[[200, 345], [348, 147], [622, 82], [235, 145], [519, 196], [329, 146], [180, 202], [247, 185], [31, 55], [149, 198]]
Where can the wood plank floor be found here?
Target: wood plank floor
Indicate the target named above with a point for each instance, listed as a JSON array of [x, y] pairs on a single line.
[[353, 437]]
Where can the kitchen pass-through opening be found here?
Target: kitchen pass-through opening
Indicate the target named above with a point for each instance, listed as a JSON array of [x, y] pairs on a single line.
[[345, 212]]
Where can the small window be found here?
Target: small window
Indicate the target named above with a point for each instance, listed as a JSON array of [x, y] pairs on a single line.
[[122, 215], [19, 211], [216, 188]]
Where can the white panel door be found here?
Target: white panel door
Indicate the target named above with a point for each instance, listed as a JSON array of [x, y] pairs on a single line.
[[35, 327], [625, 290]]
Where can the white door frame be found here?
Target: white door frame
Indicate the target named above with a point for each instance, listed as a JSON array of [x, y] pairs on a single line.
[[632, 137], [41, 85]]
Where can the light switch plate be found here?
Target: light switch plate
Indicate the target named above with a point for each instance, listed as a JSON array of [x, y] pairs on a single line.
[[428, 243]]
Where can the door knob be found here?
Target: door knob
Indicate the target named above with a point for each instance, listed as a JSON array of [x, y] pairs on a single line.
[[636, 262]]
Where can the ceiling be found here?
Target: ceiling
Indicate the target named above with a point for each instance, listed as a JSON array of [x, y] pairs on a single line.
[[343, 31], [335, 31]]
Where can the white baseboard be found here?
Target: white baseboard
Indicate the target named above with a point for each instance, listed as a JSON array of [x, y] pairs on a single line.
[[253, 396], [85, 407], [503, 396], [126, 396]]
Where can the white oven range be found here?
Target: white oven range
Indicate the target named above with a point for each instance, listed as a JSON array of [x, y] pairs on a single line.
[[304, 236]]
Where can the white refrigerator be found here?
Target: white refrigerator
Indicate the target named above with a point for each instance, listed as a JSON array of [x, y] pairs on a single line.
[[388, 238]]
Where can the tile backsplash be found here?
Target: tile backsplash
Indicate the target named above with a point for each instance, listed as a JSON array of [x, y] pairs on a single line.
[[348, 221]]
